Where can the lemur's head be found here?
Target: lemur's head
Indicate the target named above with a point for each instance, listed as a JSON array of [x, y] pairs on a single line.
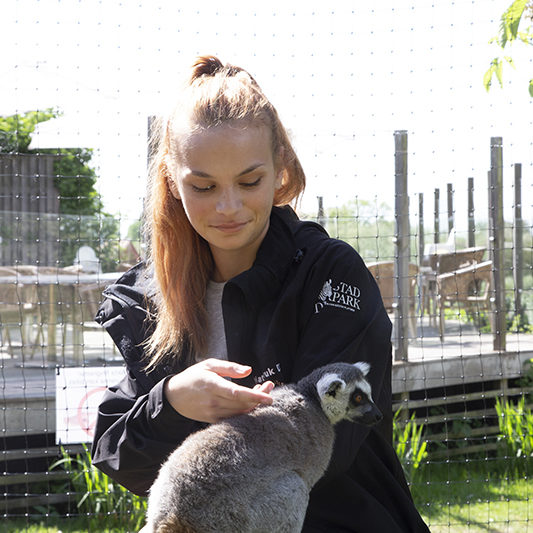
[[345, 393]]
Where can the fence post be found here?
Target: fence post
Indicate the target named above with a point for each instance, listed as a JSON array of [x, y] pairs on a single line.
[[471, 221], [402, 252], [421, 239], [436, 226], [496, 242], [321, 219], [518, 243], [449, 190]]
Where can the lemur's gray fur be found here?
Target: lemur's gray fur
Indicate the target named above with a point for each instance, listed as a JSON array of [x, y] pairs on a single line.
[[254, 472]]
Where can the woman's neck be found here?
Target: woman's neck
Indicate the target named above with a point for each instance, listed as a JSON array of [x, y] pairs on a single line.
[[229, 264]]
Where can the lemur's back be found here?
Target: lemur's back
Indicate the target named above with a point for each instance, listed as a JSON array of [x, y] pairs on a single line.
[[242, 468], [254, 472]]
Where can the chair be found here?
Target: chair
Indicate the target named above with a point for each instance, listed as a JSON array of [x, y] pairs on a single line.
[[453, 260], [19, 308], [383, 272], [436, 264], [468, 287]]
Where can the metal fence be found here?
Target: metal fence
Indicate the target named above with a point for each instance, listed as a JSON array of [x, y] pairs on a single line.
[[408, 158]]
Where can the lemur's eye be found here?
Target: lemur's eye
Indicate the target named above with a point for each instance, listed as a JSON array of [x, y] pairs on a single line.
[[358, 398]]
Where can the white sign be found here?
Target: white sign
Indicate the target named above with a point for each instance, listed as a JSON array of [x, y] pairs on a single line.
[[78, 394]]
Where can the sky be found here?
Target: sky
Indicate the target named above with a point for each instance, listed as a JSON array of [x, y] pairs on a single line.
[[344, 77]]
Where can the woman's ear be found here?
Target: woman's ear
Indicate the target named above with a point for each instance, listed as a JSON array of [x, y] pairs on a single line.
[[279, 179], [173, 187]]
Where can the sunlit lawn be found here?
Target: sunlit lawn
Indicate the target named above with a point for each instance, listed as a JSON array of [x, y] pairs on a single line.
[[458, 498], [475, 499]]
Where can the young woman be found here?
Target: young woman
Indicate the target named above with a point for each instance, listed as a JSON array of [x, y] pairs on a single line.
[[236, 286]]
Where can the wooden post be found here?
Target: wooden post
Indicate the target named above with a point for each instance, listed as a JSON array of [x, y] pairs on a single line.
[[321, 218], [449, 190], [471, 221], [51, 349], [518, 244], [421, 243], [496, 242], [402, 252], [436, 231]]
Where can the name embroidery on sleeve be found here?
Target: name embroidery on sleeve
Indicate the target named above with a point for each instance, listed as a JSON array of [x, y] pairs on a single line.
[[343, 296]]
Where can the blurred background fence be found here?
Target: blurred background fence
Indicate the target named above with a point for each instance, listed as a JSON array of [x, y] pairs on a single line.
[[409, 157]]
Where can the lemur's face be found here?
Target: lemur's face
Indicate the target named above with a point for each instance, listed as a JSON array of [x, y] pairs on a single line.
[[345, 394]]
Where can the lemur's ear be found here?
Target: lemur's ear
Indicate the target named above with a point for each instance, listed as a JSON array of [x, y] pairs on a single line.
[[363, 366], [330, 385]]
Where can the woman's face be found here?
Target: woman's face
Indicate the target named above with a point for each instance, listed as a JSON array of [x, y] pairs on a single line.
[[226, 179]]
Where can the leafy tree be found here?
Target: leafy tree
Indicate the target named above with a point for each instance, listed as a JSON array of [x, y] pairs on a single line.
[[81, 220], [16, 130], [512, 21], [75, 179], [101, 233]]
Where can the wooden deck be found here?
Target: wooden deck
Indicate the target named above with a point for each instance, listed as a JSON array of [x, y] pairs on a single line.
[[463, 356], [27, 386]]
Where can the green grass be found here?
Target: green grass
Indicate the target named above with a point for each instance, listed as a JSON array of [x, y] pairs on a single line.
[[63, 525], [475, 498]]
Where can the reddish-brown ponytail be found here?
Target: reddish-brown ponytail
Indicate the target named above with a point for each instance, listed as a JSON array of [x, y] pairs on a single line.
[[205, 66]]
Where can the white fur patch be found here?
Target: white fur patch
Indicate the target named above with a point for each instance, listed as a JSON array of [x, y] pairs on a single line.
[[365, 387], [333, 406], [325, 382], [363, 366]]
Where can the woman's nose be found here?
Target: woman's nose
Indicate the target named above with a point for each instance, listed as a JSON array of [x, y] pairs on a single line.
[[229, 202]]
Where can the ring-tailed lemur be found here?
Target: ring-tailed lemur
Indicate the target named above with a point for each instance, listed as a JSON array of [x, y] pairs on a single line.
[[254, 472]]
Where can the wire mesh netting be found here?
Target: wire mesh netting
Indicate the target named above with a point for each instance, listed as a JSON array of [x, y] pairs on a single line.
[[416, 135]]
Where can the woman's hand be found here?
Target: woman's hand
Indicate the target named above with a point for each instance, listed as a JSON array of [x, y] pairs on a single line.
[[201, 393]]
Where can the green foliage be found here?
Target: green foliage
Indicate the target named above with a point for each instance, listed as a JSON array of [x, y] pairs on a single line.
[[516, 428], [409, 444], [99, 232], [510, 24], [106, 503], [368, 227], [81, 221], [526, 380], [75, 181], [134, 231], [16, 130]]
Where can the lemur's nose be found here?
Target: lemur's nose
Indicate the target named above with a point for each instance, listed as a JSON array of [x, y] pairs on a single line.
[[376, 415]]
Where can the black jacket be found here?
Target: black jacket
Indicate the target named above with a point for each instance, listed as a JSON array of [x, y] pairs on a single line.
[[308, 300]]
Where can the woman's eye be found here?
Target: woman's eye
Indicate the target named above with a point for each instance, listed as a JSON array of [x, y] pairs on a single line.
[[202, 189], [251, 183]]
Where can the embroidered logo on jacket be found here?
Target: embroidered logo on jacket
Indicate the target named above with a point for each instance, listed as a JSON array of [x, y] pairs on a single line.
[[343, 295]]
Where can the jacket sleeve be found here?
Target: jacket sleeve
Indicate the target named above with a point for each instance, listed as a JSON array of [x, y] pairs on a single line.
[[136, 428], [343, 319]]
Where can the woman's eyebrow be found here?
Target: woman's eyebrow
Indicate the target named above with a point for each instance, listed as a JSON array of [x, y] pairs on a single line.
[[251, 168]]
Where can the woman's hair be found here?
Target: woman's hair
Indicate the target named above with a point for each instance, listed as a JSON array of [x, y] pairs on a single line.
[[216, 94]]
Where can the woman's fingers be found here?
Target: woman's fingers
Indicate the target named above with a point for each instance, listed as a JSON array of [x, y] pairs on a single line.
[[267, 386], [243, 395], [202, 393], [226, 369]]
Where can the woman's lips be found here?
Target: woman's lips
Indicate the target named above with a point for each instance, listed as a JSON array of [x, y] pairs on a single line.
[[230, 227]]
